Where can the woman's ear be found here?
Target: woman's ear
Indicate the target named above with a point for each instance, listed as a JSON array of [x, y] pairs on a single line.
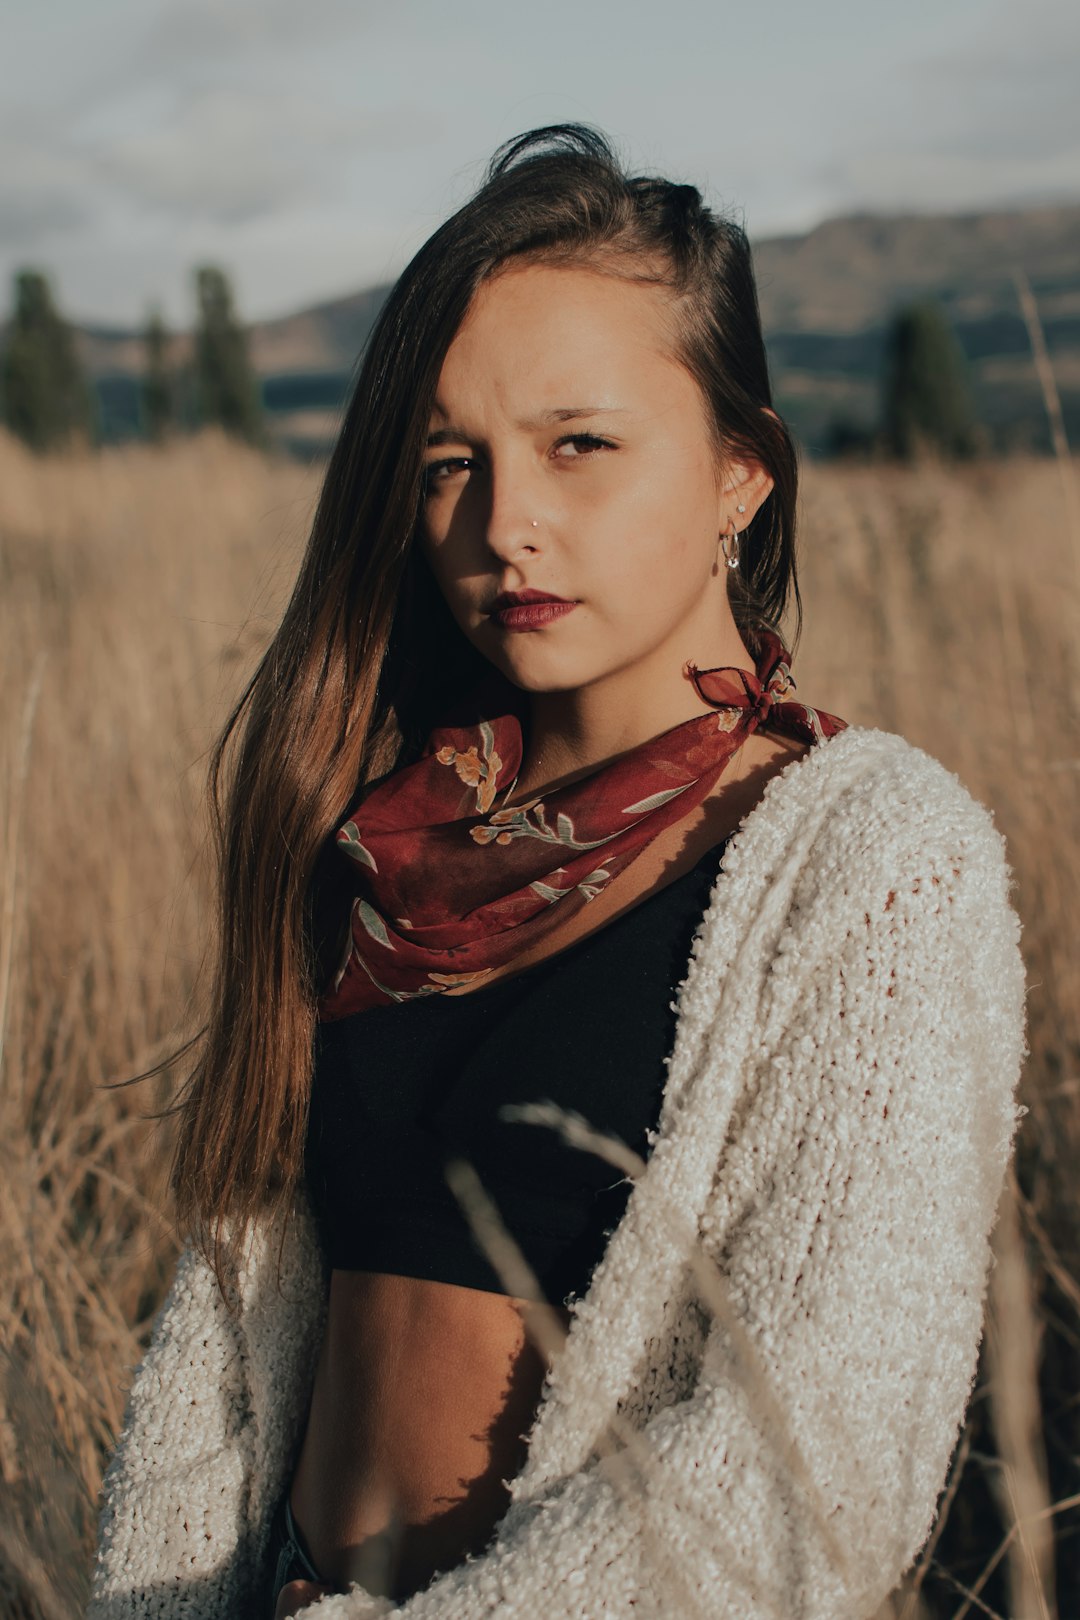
[[745, 484]]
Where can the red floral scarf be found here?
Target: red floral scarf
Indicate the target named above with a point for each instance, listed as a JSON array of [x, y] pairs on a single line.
[[450, 883]]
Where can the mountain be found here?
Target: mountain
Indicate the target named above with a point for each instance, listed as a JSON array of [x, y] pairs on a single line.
[[827, 297], [826, 300]]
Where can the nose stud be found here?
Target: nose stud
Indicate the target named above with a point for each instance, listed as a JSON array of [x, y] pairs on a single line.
[[535, 523]]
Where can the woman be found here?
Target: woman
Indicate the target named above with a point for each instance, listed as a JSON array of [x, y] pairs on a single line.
[[535, 872]]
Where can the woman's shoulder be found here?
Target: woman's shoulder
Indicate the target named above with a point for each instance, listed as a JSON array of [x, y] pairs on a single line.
[[866, 844], [909, 866], [862, 813], [867, 791], [875, 856]]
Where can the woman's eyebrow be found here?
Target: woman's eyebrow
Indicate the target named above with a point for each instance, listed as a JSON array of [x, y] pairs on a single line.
[[531, 424], [570, 413], [448, 435]]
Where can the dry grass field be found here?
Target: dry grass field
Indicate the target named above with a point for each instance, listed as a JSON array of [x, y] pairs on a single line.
[[136, 587]]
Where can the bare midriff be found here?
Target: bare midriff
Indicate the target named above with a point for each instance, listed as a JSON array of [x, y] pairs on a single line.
[[425, 1392]]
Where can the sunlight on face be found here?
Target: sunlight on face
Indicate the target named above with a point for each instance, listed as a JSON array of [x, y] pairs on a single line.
[[570, 452]]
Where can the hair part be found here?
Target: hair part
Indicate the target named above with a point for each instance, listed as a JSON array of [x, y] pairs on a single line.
[[346, 691]]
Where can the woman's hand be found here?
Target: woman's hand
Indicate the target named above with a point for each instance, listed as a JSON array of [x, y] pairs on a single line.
[[296, 1595]]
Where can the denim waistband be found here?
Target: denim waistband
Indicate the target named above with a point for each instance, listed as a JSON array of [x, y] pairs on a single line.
[[288, 1555]]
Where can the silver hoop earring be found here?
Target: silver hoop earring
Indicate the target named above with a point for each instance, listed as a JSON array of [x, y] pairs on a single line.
[[731, 557]]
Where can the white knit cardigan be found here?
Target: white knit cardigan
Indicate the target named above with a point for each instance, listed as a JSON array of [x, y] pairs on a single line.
[[837, 1118]]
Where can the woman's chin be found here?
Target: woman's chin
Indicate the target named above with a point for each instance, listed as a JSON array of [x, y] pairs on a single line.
[[543, 670]]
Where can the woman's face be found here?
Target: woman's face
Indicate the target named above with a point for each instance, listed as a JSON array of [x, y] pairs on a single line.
[[570, 453]]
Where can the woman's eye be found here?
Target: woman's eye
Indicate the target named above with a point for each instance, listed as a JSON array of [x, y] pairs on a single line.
[[581, 444], [438, 472]]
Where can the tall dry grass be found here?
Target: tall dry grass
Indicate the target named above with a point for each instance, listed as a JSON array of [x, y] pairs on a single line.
[[136, 588]]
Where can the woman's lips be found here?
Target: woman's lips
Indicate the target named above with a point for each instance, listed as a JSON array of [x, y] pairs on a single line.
[[531, 615]]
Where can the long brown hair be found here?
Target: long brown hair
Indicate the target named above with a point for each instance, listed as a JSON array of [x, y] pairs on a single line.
[[347, 688]]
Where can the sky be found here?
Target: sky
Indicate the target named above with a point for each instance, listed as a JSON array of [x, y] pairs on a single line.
[[310, 146]]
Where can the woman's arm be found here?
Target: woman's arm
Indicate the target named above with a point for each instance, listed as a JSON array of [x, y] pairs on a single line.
[[802, 1475], [173, 1513], [211, 1424]]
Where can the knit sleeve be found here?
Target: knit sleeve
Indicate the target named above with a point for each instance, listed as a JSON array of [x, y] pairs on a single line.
[[173, 1498], [849, 1251]]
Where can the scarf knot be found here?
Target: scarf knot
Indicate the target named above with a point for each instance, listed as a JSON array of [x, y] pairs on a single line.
[[744, 691]]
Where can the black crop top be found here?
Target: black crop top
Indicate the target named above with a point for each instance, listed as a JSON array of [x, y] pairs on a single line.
[[398, 1089]]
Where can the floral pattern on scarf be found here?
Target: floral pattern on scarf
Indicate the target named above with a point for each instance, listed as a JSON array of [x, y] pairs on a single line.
[[450, 885]]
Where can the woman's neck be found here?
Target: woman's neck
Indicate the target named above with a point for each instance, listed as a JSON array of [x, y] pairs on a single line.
[[567, 735]]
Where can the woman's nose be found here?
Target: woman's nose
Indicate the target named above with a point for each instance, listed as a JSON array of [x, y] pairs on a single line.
[[513, 516]]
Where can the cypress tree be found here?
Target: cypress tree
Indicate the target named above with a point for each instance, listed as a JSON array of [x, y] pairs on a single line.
[[46, 398], [927, 402], [226, 389], [157, 401]]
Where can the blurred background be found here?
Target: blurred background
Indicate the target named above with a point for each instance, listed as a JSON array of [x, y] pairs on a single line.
[[202, 206], [880, 157]]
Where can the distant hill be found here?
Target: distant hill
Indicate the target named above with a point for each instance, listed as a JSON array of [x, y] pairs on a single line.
[[826, 298]]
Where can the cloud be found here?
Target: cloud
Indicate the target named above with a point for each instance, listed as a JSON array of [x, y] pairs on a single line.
[[232, 155], [1008, 91], [204, 41], [938, 181], [989, 119], [44, 191], [193, 112]]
